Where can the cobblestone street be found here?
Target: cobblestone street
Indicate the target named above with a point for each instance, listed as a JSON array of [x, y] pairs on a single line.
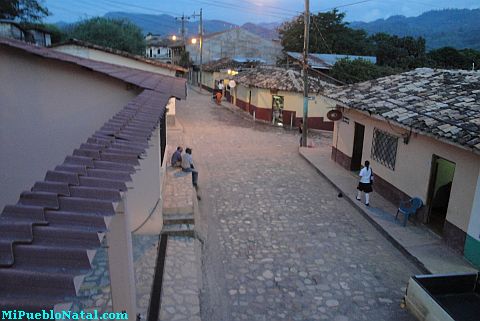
[[280, 244]]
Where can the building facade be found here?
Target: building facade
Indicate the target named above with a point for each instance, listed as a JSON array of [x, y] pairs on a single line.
[[420, 131], [276, 95], [83, 143], [238, 44]]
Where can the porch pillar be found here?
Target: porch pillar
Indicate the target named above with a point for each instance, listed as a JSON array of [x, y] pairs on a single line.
[[120, 263]]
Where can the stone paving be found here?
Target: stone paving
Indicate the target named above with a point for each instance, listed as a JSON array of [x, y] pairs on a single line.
[[145, 249], [180, 288], [280, 244], [94, 293]]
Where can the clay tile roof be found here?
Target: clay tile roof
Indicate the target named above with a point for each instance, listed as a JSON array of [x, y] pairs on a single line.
[[444, 104], [86, 44], [144, 79], [280, 79], [227, 63], [49, 238]]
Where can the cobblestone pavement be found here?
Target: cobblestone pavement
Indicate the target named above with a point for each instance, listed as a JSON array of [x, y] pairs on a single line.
[[180, 288], [280, 244]]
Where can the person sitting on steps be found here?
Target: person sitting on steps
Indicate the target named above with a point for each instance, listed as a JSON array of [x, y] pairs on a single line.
[[187, 166], [177, 157]]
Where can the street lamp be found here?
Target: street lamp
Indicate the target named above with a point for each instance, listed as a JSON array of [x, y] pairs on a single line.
[[194, 41], [174, 38]]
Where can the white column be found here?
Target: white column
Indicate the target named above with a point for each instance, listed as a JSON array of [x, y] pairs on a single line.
[[120, 263], [474, 226]]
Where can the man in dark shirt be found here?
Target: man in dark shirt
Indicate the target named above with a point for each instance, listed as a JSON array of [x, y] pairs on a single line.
[[177, 157]]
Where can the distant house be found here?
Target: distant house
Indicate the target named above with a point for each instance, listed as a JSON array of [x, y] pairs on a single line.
[[324, 62], [81, 167], [11, 29], [218, 71], [160, 48], [421, 132], [117, 57], [276, 95], [40, 36], [238, 44], [33, 34]]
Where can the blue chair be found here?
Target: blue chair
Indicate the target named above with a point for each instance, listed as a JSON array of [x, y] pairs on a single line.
[[409, 208]]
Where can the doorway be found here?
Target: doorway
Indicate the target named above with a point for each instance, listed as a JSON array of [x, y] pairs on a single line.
[[277, 110], [356, 163], [441, 178]]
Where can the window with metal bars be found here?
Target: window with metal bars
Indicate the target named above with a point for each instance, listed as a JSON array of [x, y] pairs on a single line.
[[384, 148]]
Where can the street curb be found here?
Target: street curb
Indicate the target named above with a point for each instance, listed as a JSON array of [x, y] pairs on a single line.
[[377, 226]]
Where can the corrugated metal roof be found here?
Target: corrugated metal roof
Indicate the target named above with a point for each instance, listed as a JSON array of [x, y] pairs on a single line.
[[444, 104], [326, 61], [148, 80], [49, 237]]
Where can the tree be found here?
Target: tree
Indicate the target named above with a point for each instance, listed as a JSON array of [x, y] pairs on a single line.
[[353, 71], [328, 33], [405, 53], [23, 10], [451, 58], [117, 34], [185, 60]]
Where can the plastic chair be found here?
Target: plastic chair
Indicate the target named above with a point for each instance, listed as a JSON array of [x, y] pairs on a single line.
[[409, 208]]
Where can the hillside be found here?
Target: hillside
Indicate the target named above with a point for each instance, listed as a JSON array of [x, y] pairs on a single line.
[[167, 25], [459, 28], [261, 31]]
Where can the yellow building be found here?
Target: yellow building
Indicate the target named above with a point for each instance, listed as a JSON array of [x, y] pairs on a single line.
[[276, 95], [421, 132]]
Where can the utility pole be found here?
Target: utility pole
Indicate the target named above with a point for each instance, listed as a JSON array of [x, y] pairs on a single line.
[[306, 36], [201, 43], [183, 18]]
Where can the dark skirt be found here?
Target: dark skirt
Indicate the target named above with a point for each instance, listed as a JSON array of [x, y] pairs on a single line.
[[365, 187]]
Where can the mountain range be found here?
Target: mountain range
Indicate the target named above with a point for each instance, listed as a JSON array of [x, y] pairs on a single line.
[[459, 28]]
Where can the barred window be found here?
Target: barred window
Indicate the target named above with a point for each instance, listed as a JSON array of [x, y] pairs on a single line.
[[384, 148]]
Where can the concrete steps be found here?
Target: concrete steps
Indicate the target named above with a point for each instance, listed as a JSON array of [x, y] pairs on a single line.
[[169, 219], [179, 230]]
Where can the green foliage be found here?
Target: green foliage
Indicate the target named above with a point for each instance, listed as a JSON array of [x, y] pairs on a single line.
[[328, 33], [112, 33], [451, 58], [23, 10], [359, 70], [405, 53], [185, 60], [57, 34]]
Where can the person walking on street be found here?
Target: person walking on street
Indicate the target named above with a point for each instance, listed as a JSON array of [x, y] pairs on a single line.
[[365, 184], [187, 166]]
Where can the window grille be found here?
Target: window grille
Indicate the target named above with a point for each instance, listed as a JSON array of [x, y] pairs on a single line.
[[384, 148]]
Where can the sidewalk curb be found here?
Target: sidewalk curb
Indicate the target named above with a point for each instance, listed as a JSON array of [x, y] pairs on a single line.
[[377, 226]]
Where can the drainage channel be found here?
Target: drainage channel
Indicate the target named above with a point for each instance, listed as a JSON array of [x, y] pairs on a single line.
[[155, 304]]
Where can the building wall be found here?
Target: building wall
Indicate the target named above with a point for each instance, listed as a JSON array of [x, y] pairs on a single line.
[[8, 30], [235, 43], [99, 55], [472, 242], [162, 53], [48, 109], [413, 165], [208, 79]]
